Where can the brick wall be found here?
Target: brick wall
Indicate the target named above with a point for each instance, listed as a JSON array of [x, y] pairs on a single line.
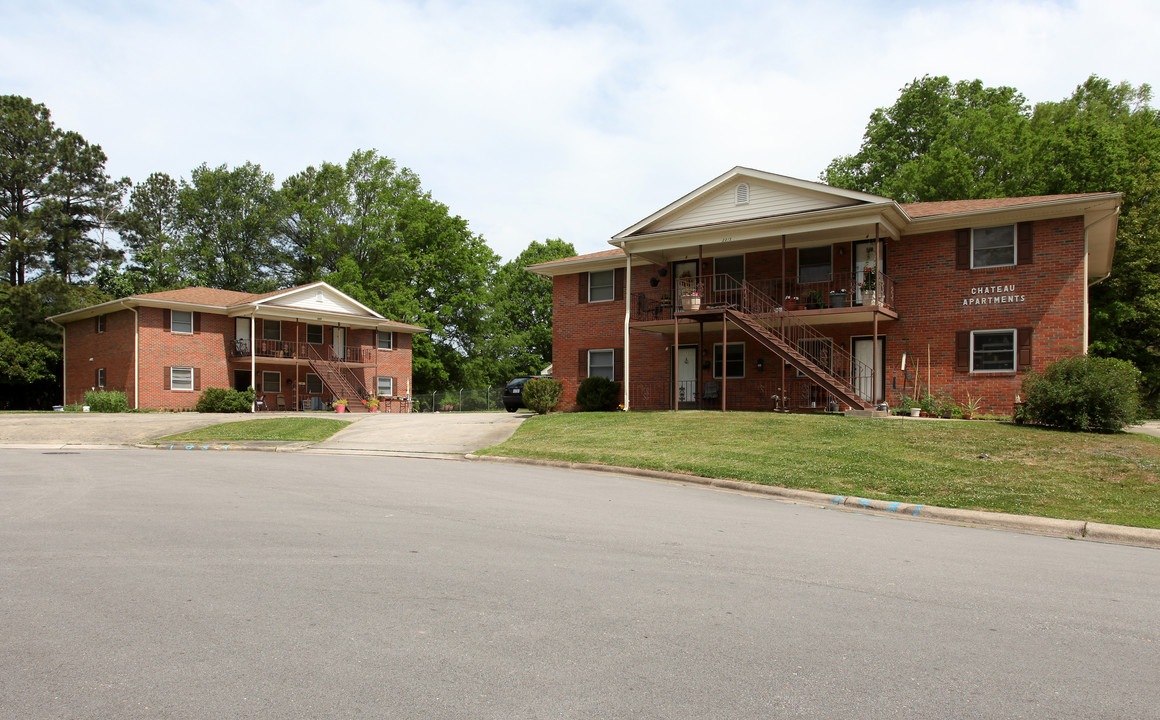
[[209, 351], [929, 296]]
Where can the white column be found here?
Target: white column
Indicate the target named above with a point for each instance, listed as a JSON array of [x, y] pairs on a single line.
[[627, 318]]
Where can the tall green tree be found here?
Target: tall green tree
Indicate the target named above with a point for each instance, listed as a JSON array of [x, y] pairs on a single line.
[[230, 220], [939, 141], [151, 231], [519, 332], [27, 160], [1104, 137]]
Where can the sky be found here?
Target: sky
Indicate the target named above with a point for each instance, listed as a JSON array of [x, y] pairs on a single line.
[[535, 120]]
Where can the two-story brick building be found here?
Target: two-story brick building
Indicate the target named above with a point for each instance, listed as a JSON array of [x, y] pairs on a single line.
[[759, 291], [300, 348]]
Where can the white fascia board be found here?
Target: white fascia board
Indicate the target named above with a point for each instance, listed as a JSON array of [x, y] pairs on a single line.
[[133, 302], [402, 327], [887, 214], [750, 173], [319, 284], [610, 262]]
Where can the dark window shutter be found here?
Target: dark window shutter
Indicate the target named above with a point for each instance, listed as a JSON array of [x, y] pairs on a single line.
[[166, 321], [963, 351], [1024, 250], [166, 379], [618, 364], [197, 378], [1023, 337], [394, 386], [963, 249], [583, 278], [582, 365], [618, 284], [197, 322]]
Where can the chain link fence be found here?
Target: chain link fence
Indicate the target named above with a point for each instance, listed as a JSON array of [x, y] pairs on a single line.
[[463, 400]]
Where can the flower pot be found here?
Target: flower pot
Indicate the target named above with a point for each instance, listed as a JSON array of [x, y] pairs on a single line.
[[914, 412], [691, 302], [340, 408], [838, 299]]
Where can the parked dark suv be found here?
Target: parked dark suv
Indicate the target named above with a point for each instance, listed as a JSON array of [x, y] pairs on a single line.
[[513, 393]]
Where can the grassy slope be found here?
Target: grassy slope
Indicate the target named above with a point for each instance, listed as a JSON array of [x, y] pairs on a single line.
[[1030, 471], [303, 429]]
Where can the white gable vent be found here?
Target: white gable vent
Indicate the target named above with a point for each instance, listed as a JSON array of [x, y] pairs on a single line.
[[743, 194]]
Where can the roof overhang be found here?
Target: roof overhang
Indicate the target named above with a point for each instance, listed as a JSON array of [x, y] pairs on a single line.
[[1100, 214]]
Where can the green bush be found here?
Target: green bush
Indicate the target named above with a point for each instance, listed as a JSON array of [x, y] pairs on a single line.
[[1084, 393], [542, 395], [107, 401], [225, 400], [597, 393]]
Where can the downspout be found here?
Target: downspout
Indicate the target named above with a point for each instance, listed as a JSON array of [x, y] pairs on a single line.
[[63, 362], [627, 318], [1087, 285], [136, 356], [253, 361]]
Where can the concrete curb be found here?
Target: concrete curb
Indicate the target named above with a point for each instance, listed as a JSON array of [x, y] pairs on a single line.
[[1052, 527]]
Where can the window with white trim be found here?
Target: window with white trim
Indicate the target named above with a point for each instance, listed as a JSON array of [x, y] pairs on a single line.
[[386, 340], [993, 351], [181, 321], [181, 378], [993, 246], [313, 384], [602, 363], [314, 334], [734, 360], [272, 330], [384, 385], [815, 264], [271, 381], [101, 323], [602, 286]]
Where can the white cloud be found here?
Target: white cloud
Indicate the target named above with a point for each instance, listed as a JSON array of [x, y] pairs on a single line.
[[534, 119]]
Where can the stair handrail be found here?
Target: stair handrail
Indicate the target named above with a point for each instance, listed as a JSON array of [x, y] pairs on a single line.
[[763, 309], [336, 369]]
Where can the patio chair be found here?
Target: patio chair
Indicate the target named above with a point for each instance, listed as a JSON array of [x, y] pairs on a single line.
[[260, 403], [281, 401]]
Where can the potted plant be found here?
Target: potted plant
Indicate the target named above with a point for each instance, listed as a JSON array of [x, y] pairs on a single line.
[[838, 298], [817, 300], [869, 285], [691, 300], [791, 302], [372, 404], [971, 406], [340, 405]]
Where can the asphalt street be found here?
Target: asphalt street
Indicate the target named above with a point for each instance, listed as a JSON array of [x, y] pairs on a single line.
[[144, 584]]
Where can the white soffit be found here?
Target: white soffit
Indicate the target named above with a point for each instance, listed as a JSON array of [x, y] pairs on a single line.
[[319, 298], [715, 203]]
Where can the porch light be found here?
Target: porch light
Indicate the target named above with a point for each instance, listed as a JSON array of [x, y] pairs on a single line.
[[760, 363]]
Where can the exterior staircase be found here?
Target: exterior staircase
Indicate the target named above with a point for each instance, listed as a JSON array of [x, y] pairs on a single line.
[[766, 321], [340, 381]]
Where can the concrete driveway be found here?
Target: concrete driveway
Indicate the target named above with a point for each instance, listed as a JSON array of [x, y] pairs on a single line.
[[419, 434], [422, 434]]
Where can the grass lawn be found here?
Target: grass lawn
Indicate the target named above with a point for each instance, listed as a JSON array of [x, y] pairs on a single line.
[[1103, 478], [305, 429]]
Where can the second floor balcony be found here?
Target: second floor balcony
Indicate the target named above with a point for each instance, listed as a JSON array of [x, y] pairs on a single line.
[[291, 350]]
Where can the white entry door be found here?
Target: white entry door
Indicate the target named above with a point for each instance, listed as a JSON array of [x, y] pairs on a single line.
[[340, 343], [242, 336], [864, 357], [687, 374]]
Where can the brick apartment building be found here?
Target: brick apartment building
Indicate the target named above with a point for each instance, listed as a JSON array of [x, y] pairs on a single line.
[[301, 348], [759, 291]]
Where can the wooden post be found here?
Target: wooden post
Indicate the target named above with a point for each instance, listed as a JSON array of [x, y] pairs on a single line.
[[676, 355], [724, 356], [877, 289]]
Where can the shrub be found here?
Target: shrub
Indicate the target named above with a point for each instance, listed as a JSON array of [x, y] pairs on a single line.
[[1084, 393], [107, 401], [225, 400], [597, 393], [542, 395]]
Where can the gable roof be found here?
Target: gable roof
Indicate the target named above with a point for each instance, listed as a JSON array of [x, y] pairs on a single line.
[[313, 301], [769, 196]]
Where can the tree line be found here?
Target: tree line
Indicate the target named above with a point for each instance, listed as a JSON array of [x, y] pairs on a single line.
[[71, 236]]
